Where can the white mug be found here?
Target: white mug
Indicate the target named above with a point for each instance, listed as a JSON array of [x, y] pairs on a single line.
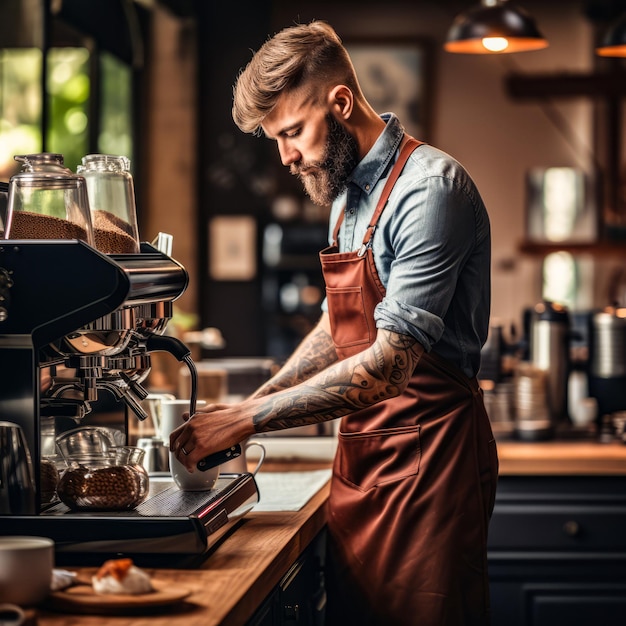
[[172, 415], [171, 418], [192, 481], [240, 465], [11, 615]]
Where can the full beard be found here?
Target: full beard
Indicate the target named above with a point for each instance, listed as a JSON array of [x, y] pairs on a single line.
[[325, 180]]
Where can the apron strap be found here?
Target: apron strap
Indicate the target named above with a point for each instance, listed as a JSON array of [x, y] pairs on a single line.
[[406, 149]]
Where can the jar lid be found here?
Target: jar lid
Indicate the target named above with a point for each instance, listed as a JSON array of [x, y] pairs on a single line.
[[104, 162], [551, 312], [45, 170], [610, 316]]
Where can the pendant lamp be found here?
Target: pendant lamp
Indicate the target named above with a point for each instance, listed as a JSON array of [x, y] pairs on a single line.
[[614, 43], [494, 27]]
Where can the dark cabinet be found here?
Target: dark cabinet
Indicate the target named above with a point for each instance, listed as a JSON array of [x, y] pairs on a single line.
[[299, 598], [557, 551]]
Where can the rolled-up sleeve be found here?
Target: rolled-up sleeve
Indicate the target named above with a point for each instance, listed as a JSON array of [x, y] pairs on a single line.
[[427, 238]]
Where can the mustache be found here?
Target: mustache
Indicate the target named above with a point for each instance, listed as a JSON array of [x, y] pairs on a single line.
[[298, 168]]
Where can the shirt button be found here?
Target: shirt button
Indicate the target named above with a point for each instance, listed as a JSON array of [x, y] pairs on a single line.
[[367, 187]]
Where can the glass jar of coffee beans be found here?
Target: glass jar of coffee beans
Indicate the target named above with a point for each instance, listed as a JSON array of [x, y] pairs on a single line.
[[115, 480]]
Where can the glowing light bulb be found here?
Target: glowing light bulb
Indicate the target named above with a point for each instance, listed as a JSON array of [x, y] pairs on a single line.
[[495, 44]]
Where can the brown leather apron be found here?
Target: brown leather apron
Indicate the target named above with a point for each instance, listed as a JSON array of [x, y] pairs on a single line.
[[414, 477]]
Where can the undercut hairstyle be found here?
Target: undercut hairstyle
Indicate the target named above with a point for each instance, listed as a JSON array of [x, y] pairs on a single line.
[[308, 56]]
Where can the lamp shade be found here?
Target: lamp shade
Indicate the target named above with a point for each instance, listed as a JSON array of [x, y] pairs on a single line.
[[494, 27], [614, 43]]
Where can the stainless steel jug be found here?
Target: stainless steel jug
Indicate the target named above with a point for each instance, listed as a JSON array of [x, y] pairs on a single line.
[[549, 351], [17, 484], [607, 371]]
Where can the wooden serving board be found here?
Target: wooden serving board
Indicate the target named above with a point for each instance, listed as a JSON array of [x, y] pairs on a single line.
[[81, 598]]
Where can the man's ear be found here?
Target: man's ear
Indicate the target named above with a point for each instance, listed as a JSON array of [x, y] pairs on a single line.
[[341, 102]]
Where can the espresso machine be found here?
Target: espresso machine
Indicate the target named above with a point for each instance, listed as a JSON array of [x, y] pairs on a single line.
[[76, 322]]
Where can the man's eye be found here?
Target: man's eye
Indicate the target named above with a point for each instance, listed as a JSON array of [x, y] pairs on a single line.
[[293, 133]]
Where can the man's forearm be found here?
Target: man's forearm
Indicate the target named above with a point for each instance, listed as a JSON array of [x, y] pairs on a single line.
[[313, 355], [378, 373]]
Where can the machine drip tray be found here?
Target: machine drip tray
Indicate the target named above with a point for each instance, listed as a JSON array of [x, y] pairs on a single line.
[[171, 525]]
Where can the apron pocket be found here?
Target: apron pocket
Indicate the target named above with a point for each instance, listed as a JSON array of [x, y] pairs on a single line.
[[347, 306], [369, 459]]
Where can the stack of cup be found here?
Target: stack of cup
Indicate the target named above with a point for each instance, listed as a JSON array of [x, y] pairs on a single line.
[[532, 413]]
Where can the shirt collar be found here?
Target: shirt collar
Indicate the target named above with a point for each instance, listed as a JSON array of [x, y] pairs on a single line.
[[374, 164]]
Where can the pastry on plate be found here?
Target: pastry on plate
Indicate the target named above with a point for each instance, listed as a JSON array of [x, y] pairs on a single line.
[[121, 576]]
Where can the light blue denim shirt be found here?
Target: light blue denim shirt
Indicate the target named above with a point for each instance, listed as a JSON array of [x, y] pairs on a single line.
[[432, 247]]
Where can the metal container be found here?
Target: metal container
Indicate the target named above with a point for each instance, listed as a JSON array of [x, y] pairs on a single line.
[[17, 482], [549, 351], [608, 335], [156, 457], [607, 369]]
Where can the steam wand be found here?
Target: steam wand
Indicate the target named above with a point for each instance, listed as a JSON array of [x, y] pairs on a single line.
[[166, 343], [176, 347]]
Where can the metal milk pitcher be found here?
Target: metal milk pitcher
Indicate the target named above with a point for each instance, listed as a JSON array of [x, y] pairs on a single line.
[[17, 484]]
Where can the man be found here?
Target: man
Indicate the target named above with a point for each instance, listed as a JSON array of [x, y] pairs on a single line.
[[395, 353]]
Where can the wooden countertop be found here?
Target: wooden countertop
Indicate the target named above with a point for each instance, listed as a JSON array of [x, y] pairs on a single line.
[[234, 580], [248, 564], [575, 458]]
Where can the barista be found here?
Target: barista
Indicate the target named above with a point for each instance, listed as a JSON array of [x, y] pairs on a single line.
[[395, 353]]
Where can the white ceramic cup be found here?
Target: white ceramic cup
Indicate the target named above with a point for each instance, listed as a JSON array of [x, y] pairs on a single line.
[[240, 464], [192, 481], [171, 418], [26, 565], [172, 415], [11, 615]]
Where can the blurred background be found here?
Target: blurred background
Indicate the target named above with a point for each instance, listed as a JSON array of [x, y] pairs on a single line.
[[541, 132]]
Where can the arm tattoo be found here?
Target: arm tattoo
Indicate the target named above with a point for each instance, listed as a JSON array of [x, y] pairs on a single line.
[[315, 354], [376, 374]]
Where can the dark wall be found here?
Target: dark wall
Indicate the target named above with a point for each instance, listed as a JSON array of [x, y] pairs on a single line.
[[233, 166]]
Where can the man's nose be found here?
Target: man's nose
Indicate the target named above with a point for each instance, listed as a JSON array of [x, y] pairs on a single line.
[[288, 153]]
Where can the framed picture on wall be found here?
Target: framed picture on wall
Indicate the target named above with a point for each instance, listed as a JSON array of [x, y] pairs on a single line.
[[395, 75]]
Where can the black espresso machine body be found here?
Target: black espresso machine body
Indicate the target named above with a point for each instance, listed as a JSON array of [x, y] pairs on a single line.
[[65, 305]]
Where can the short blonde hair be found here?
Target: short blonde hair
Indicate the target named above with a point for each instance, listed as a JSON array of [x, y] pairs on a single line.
[[306, 55]]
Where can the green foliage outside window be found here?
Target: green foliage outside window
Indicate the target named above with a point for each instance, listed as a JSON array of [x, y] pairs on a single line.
[[68, 90], [20, 106]]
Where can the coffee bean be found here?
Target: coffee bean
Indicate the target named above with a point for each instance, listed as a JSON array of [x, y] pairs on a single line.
[[27, 225], [112, 235], [110, 488]]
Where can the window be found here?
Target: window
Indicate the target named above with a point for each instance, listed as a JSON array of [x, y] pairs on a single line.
[[86, 103]]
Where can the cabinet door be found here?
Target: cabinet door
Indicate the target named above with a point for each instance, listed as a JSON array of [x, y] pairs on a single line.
[[548, 604], [302, 594], [267, 614], [557, 551]]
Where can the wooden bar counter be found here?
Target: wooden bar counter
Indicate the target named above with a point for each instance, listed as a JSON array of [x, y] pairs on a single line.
[[246, 566], [238, 575]]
